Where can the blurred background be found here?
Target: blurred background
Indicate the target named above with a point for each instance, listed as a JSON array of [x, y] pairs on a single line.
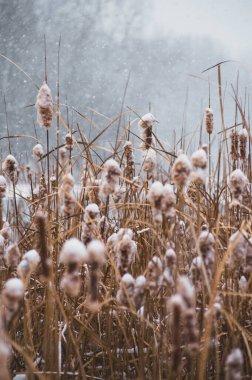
[[114, 54]]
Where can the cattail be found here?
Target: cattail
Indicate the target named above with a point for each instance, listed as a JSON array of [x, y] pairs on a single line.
[[73, 254], [238, 245], [44, 106], [12, 255], [93, 191], [170, 260], [139, 291], [68, 194], [181, 228], [243, 137], [53, 183], [28, 264], [238, 182], [64, 156], [168, 201], [130, 161], [41, 243], [195, 273], [113, 172], [199, 164], [234, 365], [146, 123], [118, 194], [155, 274], [206, 247], [181, 170], [234, 145], [149, 161], [37, 151], [125, 293], [155, 196], [176, 306], [95, 260], [126, 251], [10, 168], [12, 295], [209, 120], [6, 232], [90, 228], [68, 141], [3, 186]]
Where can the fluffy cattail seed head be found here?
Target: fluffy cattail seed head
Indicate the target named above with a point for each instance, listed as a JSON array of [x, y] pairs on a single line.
[[181, 170], [73, 252], [10, 168], [37, 151], [233, 365], [12, 255], [44, 106], [3, 186], [238, 182]]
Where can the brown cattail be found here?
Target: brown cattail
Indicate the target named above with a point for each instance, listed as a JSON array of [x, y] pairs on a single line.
[[28, 264], [12, 255], [149, 161], [209, 120], [68, 194], [126, 252], [206, 247], [168, 201], [170, 260], [28, 172], [125, 293], [68, 141], [155, 274], [90, 229], [130, 161], [113, 172], [155, 196], [146, 123], [44, 106], [233, 365], [10, 168], [12, 295], [6, 232], [238, 245], [41, 243], [37, 151], [234, 145], [199, 164], [181, 170], [72, 255], [243, 138], [238, 182], [95, 260]]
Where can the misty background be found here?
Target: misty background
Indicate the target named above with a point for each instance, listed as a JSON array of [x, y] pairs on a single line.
[[146, 55]]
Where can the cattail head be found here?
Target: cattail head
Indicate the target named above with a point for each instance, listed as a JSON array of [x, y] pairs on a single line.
[[209, 120], [149, 160], [92, 211], [6, 231], [68, 194], [12, 255], [243, 138], [28, 264], [155, 196], [199, 159], [234, 135], [181, 170], [71, 283], [3, 186], [12, 295], [168, 201], [238, 182], [233, 365], [10, 168], [73, 252], [37, 151], [44, 106], [206, 241], [125, 293], [130, 161], [68, 141], [96, 252], [146, 123], [113, 172], [28, 172], [186, 290], [238, 245]]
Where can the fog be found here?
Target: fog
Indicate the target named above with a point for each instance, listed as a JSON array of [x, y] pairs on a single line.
[[145, 55]]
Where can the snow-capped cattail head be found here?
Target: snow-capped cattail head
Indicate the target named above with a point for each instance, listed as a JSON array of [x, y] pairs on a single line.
[[238, 182], [181, 170], [37, 151], [28, 264], [73, 252], [3, 186], [113, 172], [12, 255], [243, 137], [238, 245], [234, 365], [149, 160], [10, 168], [155, 196], [68, 194], [44, 106], [146, 123], [6, 231], [147, 120], [71, 283], [92, 211], [199, 159], [209, 120], [168, 201], [13, 291], [170, 258], [96, 252], [125, 293], [28, 172], [206, 241], [234, 135], [68, 141], [155, 274], [186, 290]]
